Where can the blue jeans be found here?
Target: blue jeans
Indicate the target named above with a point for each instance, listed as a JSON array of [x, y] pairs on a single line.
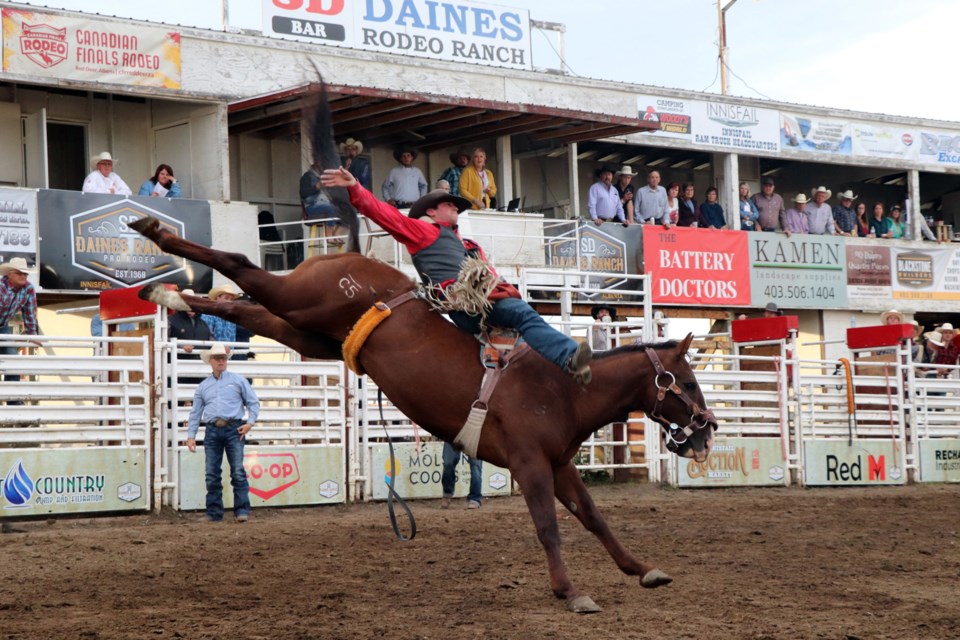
[[216, 441], [9, 351], [451, 458], [513, 313]]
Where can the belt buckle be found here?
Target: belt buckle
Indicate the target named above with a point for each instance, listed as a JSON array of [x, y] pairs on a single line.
[[220, 423]]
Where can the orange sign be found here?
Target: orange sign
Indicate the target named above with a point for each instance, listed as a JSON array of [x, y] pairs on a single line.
[[697, 266]]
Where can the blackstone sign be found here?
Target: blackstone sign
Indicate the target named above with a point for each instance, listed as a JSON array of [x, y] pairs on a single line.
[[455, 31]]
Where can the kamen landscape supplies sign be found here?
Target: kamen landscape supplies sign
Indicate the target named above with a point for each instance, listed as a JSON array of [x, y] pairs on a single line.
[[89, 50], [736, 462], [803, 271], [461, 31], [864, 463], [418, 472]]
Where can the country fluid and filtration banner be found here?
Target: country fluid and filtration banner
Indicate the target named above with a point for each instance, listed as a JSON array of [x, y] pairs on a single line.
[[90, 50], [456, 31]]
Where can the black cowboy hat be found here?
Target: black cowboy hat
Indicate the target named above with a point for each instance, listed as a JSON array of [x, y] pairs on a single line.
[[430, 201], [399, 151], [605, 167], [597, 308], [456, 155]]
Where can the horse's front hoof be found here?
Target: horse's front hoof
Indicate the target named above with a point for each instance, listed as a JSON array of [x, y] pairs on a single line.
[[655, 578], [583, 604], [144, 225]]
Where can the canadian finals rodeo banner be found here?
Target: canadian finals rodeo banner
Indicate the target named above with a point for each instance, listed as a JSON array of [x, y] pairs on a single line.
[[92, 50]]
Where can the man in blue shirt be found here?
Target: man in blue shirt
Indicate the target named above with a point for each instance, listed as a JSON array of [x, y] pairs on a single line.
[[219, 405]]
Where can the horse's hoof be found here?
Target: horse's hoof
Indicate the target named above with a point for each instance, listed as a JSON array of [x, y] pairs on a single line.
[[143, 224], [655, 578], [582, 604]]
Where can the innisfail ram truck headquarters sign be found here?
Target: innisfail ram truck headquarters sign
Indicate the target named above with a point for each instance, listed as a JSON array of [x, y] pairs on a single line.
[[474, 32]]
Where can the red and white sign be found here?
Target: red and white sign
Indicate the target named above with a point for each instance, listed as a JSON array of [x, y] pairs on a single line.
[[52, 46], [697, 266]]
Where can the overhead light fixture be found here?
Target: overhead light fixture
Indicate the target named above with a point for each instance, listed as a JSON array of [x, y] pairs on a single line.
[[583, 155], [658, 161], [608, 157], [634, 159], [701, 166], [682, 163], [556, 153], [771, 172]]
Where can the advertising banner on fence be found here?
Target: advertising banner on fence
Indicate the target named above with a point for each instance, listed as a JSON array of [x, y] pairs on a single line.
[[868, 272], [418, 472], [866, 462], [814, 134], [799, 272], [476, 32], [608, 249], [672, 114], [939, 148], [736, 126], [882, 141], [278, 477], [940, 460], [18, 225], [926, 274], [68, 480], [90, 49], [697, 266], [737, 462], [86, 242]]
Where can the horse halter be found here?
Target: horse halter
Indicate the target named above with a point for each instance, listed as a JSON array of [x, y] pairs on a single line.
[[699, 418]]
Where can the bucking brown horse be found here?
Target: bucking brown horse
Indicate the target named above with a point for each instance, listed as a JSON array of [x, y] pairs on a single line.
[[538, 416]]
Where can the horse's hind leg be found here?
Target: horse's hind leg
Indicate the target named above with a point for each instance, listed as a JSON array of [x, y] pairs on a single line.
[[252, 279], [534, 480], [570, 490]]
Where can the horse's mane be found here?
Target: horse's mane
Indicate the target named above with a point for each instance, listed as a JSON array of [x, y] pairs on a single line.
[[640, 346]]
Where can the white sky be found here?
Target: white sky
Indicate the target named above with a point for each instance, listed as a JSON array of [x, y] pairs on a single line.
[[881, 56]]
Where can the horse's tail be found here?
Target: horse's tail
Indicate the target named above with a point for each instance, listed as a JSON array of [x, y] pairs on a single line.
[[324, 149]]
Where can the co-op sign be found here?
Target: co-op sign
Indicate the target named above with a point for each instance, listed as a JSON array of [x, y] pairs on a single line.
[[455, 31]]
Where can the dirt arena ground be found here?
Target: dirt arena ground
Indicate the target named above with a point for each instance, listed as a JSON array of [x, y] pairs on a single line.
[[757, 564]]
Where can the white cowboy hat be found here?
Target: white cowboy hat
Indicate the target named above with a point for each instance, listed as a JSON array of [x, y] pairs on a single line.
[[801, 199], [846, 195], [946, 326], [886, 315], [626, 170], [917, 327], [351, 142], [224, 288], [935, 338], [188, 292], [103, 156], [15, 264], [824, 190], [217, 349]]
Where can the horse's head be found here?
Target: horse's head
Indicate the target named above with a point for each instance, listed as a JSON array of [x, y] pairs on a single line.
[[679, 407]]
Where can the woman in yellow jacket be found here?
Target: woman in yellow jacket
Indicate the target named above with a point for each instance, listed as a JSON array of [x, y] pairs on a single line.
[[476, 182]]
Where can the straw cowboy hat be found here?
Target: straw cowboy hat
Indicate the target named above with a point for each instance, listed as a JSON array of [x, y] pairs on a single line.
[[217, 349], [430, 201], [821, 189], [351, 142], [893, 313], [946, 326], [15, 264], [801, 199], [597, 308], [459, 153], [224, 288], [103, 156], [917, 328], [399, 151], [626, 170], [846, 195], [934, 337]]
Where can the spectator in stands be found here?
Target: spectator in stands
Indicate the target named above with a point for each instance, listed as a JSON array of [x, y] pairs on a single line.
[[896, 221], [352, 161], [879, 223], [769, 206], [749, 214], [863, 225], [689, 215], [844, 217], [711, 213], [17, 294], [600, 331], [227, 406], [404, 184], [187, 325], [319, 213], [476, 182], [947, 351], [919, 348], [448, 479], [443, 185], [771, 310], [794, 220], [819, 215], [102, 179], [673, 202], [925, 229], [459, 160], [891, 317], [650, 202], [626, 191], [223, 330], [439, 254], [603, 201], [163, 184]]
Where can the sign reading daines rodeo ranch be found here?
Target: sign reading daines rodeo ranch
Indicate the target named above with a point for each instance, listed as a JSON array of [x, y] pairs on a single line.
[[457, 31], [42, 44]]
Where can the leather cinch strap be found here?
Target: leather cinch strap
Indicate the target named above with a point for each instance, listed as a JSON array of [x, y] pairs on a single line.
[[363, 327]]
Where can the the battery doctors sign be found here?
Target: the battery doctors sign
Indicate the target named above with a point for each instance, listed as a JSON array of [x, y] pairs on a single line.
[[455, 31]]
